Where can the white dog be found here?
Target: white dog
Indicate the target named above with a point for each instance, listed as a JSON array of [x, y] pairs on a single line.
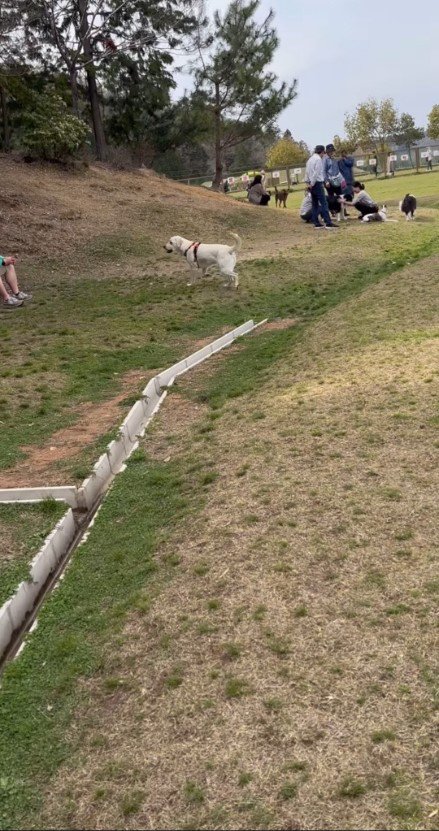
[[381, 216], [203, 256]]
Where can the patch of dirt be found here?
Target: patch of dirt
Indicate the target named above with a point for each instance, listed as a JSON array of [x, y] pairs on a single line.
[[93, 420], [278, 325]]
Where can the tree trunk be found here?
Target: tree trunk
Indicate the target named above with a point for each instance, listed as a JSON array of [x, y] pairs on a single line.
[[6, 143], [216, 184], [73, 74], [96, 116], [417, 159]]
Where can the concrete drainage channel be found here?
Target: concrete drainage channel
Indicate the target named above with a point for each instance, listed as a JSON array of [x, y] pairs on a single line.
[[18, 614]]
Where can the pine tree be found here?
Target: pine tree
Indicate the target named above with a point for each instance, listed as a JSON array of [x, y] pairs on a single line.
[[234, 84]]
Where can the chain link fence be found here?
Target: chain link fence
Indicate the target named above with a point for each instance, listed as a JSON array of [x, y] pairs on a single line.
[[424, 157]]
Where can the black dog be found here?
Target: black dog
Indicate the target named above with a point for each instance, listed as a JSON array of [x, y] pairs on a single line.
[[408, 206]]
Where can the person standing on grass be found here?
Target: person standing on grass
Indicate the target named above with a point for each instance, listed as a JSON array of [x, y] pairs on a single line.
[[362, 201], [15, 298], [429, 160], [314, 176], [346, 165], [332, 172]]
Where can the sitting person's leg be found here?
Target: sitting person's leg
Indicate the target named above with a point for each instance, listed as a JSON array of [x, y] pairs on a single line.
[[364, 209], [12, 281], [307, 217], [265, 198], [8, 300]]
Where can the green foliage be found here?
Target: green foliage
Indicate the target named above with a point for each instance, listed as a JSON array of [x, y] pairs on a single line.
[[51, 132], [287, 152], [433, 122], [343, 146], [234, 84], [372, 124], [407, 132]]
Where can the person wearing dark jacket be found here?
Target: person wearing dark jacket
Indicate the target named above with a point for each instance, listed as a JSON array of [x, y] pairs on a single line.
[[346, 165]]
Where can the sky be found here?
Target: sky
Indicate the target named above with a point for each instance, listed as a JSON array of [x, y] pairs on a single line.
[[345, 51]]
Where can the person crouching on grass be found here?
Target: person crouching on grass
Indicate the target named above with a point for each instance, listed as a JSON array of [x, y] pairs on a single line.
[[15, 298], [362, 201]]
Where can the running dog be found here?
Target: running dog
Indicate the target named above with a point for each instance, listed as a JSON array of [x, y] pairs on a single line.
[[202, 256], [408, 206], [280, 197]]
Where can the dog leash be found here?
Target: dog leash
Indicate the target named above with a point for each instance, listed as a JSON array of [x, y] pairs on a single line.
[[195, 246]]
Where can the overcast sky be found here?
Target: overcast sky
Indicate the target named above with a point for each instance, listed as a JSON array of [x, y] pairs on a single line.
[[391, 47]]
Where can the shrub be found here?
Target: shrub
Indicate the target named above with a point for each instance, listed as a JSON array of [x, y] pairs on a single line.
[[51, 131]]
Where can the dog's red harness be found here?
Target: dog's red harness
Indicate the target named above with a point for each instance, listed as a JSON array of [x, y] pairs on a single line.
[[195, 246]]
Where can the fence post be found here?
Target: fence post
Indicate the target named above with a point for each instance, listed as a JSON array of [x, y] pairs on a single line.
[[417, 156]]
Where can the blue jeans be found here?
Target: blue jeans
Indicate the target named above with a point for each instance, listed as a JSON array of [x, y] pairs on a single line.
[[319, 204]]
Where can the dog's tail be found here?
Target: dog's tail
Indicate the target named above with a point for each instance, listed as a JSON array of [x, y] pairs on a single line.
[[238, 243]]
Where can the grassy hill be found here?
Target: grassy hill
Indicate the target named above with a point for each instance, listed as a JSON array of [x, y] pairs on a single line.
[[246, 639]]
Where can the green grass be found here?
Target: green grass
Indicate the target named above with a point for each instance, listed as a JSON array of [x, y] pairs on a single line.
[[391, 190], [117, 571], [23, 529], [77, 626], [82, 353]]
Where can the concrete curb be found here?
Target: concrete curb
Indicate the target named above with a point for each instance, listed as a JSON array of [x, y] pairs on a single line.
[[14, 612]]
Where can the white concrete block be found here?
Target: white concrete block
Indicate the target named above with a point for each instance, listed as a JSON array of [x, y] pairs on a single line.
[[63, 534], [117, 452], [6, 628], [243, 329], [65, 493], [22, 602], [197, 357], [134, 420], [102, 470], [222, 342], [177, 369], [150, 390], [42, 564]]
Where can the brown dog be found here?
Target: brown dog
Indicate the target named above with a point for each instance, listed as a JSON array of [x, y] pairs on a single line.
[[281, 197]]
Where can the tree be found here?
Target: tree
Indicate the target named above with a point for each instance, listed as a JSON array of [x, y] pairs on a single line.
[[407, 133], [287, 152], [343, 146], [373, 125], [234, 84], [433, 122], [83, 35]]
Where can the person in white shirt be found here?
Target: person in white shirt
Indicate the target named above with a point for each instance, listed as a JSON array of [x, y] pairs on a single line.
[[314, 176]]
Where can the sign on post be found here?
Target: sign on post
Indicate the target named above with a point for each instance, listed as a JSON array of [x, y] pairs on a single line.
[[404, 157], [393, 158], [297, 171], [360, 162], [231, 180], [275, 174]]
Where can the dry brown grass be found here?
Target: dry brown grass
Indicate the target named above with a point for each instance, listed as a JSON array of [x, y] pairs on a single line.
[[48, 212], [283, 678]]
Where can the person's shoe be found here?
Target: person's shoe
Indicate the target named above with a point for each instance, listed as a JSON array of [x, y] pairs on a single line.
[[318, 226], [12, 303], [331, 227], [23, 295]]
